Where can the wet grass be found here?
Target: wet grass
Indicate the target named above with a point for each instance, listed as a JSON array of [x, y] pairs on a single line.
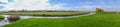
[[96, 20]]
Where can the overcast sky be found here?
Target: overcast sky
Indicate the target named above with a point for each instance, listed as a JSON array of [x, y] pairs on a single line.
[[58, 4]]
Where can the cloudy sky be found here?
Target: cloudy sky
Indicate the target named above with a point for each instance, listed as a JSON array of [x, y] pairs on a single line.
[[58, 4]]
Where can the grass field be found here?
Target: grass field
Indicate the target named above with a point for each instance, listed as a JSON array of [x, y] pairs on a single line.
[[96, 20], [2, 17], [46, 13]]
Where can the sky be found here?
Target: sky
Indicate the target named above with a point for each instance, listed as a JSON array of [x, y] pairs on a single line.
[[59, 4]]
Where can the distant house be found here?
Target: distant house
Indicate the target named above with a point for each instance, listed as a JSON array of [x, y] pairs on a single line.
[[99, 10]]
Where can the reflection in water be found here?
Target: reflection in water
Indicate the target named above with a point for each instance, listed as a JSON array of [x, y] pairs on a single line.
[[25, 17], [5, 21]]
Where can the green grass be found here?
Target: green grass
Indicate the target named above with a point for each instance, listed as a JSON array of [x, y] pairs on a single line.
[[2, 17], [47, 13], [96, 20]]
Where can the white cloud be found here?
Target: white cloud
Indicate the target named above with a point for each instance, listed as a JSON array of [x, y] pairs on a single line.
[[5, 1], [31, 5], [40, 5], [86, 3]]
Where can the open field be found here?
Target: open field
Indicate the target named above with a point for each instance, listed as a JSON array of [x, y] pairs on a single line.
[[40, 13], [46, 13], [96, 20]]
